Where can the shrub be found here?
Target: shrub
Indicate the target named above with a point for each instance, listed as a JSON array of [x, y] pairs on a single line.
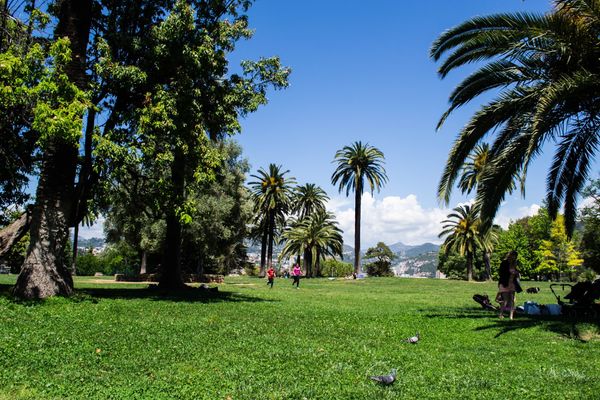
[[332, 267], [88, 264], [379, 268]]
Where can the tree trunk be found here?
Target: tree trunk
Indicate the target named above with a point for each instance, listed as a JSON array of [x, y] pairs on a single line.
[[170, 277], [263, 254], [75, 244], [469, 266], [357, 206], [144, 262], [308, 267], [14, 232], [45, 271], [488, 267], [271, 238]]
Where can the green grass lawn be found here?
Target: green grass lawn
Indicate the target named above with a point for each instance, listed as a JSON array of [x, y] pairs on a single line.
[[122, 341]]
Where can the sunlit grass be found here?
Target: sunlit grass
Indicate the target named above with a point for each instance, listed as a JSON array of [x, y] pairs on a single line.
[[319, 342]]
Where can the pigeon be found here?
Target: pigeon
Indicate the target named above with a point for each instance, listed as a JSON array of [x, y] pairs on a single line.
[[385, 379], [413, 339]]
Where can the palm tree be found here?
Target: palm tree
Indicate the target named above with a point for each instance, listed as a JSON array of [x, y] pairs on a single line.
[[316, 236], [546, 70], [308, 199], [355, 163], [271, 193], [462, 232]]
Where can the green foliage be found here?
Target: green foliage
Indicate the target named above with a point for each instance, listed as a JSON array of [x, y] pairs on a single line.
[[383, 256], [88, 264], [336, 268], [60, 105], [557, 254], [118, 258], [106, 346], [590, 237]]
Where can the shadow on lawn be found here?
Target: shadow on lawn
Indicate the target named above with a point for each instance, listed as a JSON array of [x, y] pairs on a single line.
[[191, 295], [561, 325]]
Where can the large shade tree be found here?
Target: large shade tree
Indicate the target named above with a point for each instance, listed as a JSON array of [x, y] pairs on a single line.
[[356, 164], [544, 72], [149, 72]]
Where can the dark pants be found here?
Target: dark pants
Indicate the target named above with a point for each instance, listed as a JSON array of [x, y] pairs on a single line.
[[296, 280], [270, 282]]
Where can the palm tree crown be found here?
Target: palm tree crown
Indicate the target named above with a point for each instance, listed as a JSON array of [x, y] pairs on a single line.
[[308, 199], [545, 70]]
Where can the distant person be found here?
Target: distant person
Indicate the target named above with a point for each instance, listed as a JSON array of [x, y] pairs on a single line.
[[296, 273], [506, 284], [270, 276]]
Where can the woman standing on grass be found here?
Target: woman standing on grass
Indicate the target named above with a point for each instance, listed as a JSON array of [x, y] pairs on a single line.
[[506, 284], [296, 272]]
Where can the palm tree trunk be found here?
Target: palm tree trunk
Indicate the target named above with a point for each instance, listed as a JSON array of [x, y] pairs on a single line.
[[45, 271], [263, 253], [308, 267], [271, 238], [488, 267], [469, 266], [357, 216]]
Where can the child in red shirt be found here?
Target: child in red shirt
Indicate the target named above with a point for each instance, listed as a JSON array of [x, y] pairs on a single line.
[[270, 276]]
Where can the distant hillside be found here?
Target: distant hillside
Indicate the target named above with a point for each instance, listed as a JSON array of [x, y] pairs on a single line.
[[422, 249], [92, 242], [422, 266]]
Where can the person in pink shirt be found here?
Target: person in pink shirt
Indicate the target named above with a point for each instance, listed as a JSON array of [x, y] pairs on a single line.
[[296, 273], [270, 276]]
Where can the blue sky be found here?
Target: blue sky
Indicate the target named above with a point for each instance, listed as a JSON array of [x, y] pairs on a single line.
[[361, 71]]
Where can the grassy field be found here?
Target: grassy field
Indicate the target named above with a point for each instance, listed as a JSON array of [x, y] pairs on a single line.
[[319, 342]]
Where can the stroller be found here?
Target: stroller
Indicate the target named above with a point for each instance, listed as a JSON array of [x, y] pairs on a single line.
[[581, 299], [484, 301]]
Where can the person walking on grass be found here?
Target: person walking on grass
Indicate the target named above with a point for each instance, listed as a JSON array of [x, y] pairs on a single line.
[[506, 284], [296, 273], [270, 276]]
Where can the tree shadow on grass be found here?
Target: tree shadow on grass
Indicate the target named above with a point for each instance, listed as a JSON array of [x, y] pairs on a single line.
[[189, 295], [561, 325]]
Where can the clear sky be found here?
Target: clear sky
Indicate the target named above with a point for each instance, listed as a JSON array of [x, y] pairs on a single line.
[[361, 71]]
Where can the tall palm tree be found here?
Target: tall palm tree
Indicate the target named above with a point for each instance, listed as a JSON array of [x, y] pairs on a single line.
[[271, 193], [545, 70], [316, 236], [355, 164], [462, 232]]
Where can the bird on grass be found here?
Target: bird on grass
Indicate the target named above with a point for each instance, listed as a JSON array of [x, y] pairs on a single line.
[[385, 379], [413, 339]]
